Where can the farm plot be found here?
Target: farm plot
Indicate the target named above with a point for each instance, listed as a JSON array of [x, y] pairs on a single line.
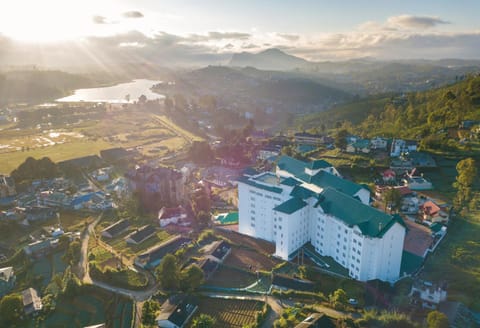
[[230, 313], [250, 260]]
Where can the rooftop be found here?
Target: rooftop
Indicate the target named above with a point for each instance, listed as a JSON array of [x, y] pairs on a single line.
[[142, 234], [291, 206], [117, 227], [371, 221]]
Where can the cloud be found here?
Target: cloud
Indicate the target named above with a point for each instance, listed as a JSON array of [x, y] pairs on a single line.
[[132, 14], [217, 36], [415, 22], [97, 19], [289, 37]]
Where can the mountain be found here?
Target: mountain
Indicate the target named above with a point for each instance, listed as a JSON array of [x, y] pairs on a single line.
[[36, 85], [270, 59]]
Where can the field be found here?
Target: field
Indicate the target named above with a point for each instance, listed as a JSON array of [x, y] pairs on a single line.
[[48, 266], [250, 260], [457, 261], [152, 135], [230, 313], [227, 277], [89, 308]]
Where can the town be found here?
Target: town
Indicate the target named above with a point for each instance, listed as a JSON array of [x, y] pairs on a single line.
[[262, 225]]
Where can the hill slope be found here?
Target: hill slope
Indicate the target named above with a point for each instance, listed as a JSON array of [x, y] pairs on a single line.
[[414, 115], [270, 59]]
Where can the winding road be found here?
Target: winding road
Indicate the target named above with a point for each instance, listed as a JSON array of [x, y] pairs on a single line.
[[137, 295]]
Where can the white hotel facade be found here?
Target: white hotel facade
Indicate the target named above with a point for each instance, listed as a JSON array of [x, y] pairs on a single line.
[[309, 202]]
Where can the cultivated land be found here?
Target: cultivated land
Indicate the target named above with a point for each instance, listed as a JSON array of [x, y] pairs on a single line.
[[98, 129]]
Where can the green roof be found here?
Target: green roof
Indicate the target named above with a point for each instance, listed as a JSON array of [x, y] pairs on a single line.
[[362, 143], [319, 164], [291, 206], [297, 167], [229, 218], [410, 263], [436, 227], [324, 179], [302, 193], [290, 182], [371, 221], [259, 185]]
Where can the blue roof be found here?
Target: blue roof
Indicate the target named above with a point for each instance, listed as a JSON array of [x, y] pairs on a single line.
[[85, 198]]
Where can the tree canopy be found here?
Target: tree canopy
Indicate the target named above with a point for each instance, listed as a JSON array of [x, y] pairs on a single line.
[[168, 273]]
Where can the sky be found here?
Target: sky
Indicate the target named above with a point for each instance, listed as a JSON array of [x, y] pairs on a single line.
[[315, 30]]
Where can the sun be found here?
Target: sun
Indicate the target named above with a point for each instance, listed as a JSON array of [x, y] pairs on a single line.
[[51, 20]]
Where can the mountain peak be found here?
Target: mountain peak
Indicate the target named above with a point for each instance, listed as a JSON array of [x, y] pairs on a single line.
[[269, 59]]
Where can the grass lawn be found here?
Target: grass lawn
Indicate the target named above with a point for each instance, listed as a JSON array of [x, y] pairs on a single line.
[[231, 278], [74, 221], [10, 161], [457, 261], [130, 250], [166, 122]]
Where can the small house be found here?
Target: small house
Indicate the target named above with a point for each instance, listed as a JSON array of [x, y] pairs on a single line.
[[169, 215], [31, 302], [176, 312], [7, 280]]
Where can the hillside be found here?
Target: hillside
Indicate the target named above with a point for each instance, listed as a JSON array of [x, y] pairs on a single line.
[[35, 86], [270, 59], [413, 115], [257, 84]]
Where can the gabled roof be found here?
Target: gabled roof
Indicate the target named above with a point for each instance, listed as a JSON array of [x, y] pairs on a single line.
[[319, 164], [169, 212], [327, 180], [177, 310], [430, 207], [221, 249], [302, 192], [291, 206], [6, 273], [371, 221]]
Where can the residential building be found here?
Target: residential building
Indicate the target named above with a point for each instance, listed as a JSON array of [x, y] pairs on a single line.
[[359, 146], [7, 280], [268, 152], [433, 213], [176, 312], [156, 186], [40, 248], [308, 138], [115, 229], [7, 186], [427, 294], [175, 215], [31, 302], [400, 146], [378, 143], [309, 202]]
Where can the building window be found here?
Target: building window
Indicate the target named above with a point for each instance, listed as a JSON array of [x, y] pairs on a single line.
[[252, 224]]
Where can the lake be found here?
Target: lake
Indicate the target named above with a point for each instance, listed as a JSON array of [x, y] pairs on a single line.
[[115, 94]]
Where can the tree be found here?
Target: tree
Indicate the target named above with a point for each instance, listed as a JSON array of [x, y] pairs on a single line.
[[11, 309], [167, 272], [339, 299], [466, 176], [192, 278], [203, 321], [203, 218], [436, 319], [149, 312], [392, 198], [341, 139]]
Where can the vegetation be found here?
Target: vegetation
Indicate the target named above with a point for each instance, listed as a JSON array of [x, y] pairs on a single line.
[[121, 277], [436, 319], [168, 272], [203, 321], [11, 310], [149, 312], [338, 299], [467, 175], [33, 169], [373, 319]]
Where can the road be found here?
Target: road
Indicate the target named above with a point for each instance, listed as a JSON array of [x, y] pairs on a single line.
[[141, 295]]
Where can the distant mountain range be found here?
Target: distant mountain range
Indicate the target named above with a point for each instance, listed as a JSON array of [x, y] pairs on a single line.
[[270, 59]]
